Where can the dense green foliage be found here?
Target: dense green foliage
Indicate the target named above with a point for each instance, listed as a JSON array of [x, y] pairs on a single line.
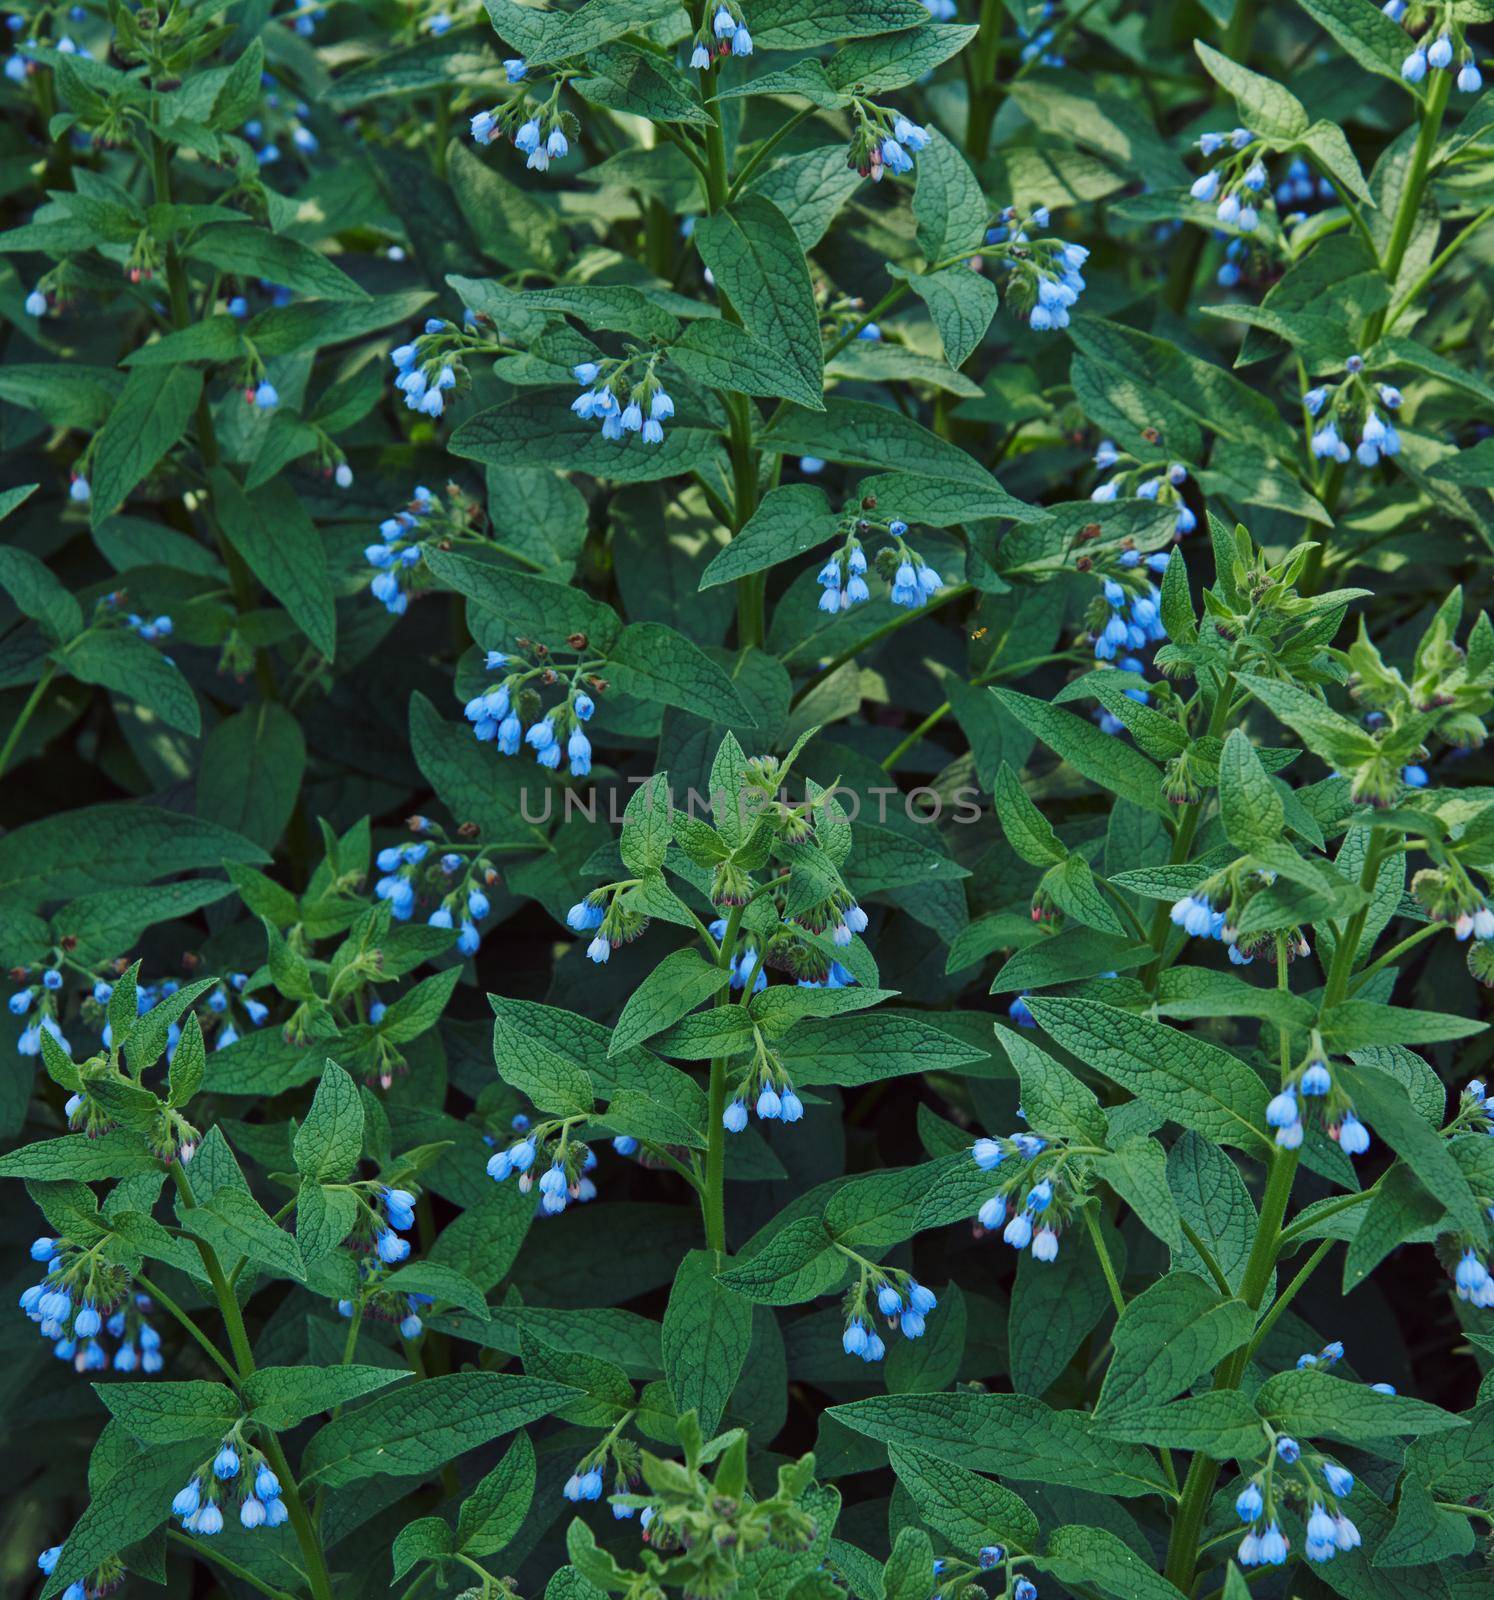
[[746, 815]]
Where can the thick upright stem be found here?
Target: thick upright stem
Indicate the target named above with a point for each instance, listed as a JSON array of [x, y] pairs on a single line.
[[713, 1193], [981, 85], [18, 727], [243, 1355], [1182, 1550]]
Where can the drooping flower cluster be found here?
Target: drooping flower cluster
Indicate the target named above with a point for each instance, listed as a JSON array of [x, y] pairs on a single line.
[[911, 581], [1310, 1083], [1353, 407], [510, 711], [1289, 1473], [549, 1156], [722, 32], [620, 402], [1448, 48], [1146, 481], [1237, 182], [895, 1295], [1298, 189], [426, 520], [884, 140], [221, 1003], [382, 1300], [458, 876], [1034, 1200], [236, 1478], [540, 131], [431, 367], [80, 1300], [1044, 277], [104, 1580], [1200, 916], [1130, 618]]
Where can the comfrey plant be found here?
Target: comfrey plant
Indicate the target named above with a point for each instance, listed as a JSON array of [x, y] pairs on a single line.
[[747, 841]]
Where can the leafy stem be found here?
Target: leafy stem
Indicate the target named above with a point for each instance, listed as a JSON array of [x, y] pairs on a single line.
[[243, 1355]]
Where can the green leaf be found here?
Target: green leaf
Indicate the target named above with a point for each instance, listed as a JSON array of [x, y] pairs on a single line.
[[961, 304], [1054, 1101], [789, 522], [1314, 1404], [1166, 1339], [188, 1064], [1382, 1103], [1120, 768], [279, 542], [248, 251], [759, 267], [418, 1010], [1137, 1171], [969, 1510], [36, 593], [1364, 32], [948, 204], [647, 826], [543, 433], [680, 982], [493, 1513], [720, 355], [795, 1264], [551, 1081], [422, 1426], [149, 417], [1079, 1555], [1027, 830], [165, 1412], [284, 1397], [421, 1540], [329, 1142], [234, 1222], [705, 1337], [863, 434], [655, 662], [545, 610], [1265, 106], [122, 662], [442, 1283], [120, 1154], [1011, 1434], [802, 24], [1249, 805], [894, 60], [1184, 1077], [1212, 1198], [251, 770], [125, 1507]]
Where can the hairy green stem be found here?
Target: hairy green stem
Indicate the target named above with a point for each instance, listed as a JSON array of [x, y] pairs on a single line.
[[1182, 1550], [243, 1354], [18, 727], [713, 1196]]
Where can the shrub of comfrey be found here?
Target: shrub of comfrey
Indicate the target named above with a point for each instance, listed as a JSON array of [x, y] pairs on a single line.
[[746, 831]]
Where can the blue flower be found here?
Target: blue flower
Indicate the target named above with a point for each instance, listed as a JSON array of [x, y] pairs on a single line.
[[1353, 1136], [1339, 1479], [734, 1118], [514, 68], [1288, 1450], [226, 1463], [1248, 1503], [1414, 67], [390, 1247], [992, 1213]]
